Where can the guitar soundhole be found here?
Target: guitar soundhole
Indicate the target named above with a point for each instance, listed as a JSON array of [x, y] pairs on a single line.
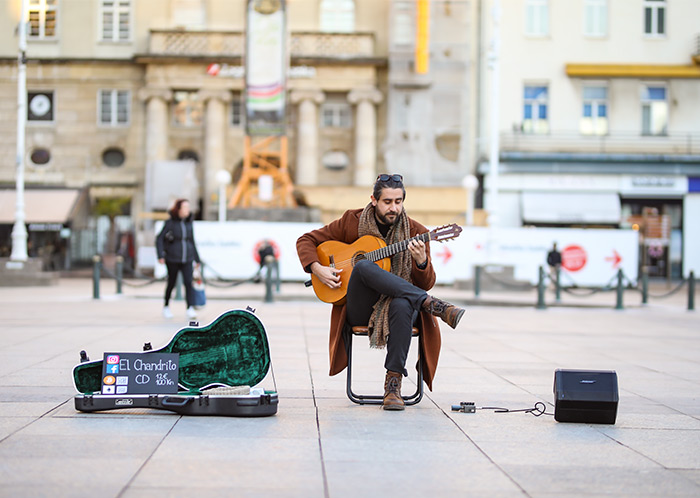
[[358, 256]]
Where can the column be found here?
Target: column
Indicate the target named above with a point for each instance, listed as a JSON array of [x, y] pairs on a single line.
[[307, 166], [214, 143], [365, 133], [156, 100]]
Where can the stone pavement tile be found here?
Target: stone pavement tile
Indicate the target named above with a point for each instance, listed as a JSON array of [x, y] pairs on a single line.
[[10, 425], [36, 394], [201, 473], [542, 480], [297, 424], [67, 476], [675, 449], [586, 452], [693, 475], [24, 409], [373, 423], [365, 467]]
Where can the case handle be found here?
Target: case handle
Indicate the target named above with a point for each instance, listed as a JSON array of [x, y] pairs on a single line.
[[176, 401]]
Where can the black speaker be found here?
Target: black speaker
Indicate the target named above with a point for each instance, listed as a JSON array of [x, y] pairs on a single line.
[[588, 396]]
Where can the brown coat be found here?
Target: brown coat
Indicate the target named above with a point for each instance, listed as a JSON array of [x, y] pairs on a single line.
[[345, 230]]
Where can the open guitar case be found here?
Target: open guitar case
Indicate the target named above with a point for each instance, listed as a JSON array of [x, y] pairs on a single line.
[[219, 366]]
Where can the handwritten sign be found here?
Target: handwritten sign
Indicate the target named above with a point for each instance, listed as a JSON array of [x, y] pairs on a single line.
[[140, 373]]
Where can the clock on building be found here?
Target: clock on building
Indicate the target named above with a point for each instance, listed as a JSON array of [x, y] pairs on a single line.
[[40, 106]]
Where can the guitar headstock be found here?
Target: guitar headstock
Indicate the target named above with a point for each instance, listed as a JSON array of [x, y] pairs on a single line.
[[446, 232]]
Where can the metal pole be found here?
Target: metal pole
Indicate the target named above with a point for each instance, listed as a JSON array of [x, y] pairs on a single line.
[[691, 291], [557, 284], [645, 285], [494, 64], [19, 230], [96, 264], [477, 280], [540, 291], [119, 272], [620, 291], [268, 280]]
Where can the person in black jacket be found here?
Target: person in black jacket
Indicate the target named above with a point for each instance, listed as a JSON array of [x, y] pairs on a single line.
[[176, 248]]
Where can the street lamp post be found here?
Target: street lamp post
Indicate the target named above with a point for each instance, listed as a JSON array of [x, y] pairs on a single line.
[[494, 64], [223, 178], [19, 231]]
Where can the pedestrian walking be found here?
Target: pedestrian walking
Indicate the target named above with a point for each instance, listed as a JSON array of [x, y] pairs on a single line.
[[177, 250]]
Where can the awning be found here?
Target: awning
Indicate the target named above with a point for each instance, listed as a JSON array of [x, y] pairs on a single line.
[[570, 207], [40, 205]]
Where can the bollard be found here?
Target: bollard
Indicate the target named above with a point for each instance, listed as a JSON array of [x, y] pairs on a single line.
[[178, 287], [645, 285], [268, 279], [477, 280], [620, 290], [119, 272], [557, 286], [691, 291], [96, 263], [540, 291]]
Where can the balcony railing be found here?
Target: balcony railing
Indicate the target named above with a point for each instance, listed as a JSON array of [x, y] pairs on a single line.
[[613, 143], [232, 44]]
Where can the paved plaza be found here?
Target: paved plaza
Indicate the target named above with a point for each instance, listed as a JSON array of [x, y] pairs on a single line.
[[503, 354]]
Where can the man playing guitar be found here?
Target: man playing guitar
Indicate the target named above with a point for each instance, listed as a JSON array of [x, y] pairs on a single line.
[[391, 303]]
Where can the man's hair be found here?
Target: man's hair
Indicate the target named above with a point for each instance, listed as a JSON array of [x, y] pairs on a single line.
[[379, 185]]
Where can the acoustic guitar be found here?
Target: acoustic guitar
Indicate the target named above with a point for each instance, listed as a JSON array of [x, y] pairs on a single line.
[[345, 256]]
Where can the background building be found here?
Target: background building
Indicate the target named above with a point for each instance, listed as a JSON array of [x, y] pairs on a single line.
[[131, 100], [599, 119]]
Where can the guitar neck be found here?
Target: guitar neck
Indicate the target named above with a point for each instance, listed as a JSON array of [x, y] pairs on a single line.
[[390, 250]]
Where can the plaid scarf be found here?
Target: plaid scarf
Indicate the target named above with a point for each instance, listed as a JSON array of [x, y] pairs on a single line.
[[401, 265]]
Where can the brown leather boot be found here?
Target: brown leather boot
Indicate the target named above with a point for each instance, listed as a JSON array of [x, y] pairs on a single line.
[[449, 313], [392, 392]]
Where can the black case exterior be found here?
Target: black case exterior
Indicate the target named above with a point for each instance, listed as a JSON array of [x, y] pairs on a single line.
[[588, 396], [236, 406]]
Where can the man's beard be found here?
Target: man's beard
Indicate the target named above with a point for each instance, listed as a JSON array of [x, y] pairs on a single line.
[[386, 221]]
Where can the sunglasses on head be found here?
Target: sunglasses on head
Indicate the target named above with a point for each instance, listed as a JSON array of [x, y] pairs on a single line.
[[386, 178]]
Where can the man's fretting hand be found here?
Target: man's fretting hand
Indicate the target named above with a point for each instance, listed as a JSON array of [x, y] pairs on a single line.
[[327, 275], [417, 249]]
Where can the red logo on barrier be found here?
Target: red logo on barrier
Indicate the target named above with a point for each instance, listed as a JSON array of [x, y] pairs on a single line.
[[260, 244], [573, 258]]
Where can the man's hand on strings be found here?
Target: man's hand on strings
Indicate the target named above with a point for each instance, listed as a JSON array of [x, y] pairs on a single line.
[[327, 275], [417, 249]]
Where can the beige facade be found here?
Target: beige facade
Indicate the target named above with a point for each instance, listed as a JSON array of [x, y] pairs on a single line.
[[165, 53]]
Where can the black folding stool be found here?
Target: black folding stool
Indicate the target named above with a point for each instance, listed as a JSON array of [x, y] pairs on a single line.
[[373, 399]]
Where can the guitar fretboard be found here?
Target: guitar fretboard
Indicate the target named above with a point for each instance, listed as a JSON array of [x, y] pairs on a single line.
[[390, 250]]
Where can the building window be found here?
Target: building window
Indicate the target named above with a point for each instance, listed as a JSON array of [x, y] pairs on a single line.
[[654, 110], [338, 16], [237, 110], [114, 107], [116, 20], [335, 113], [40, 157], [594, 120], [537, 17], [113, 157], [188, 108], [42, 19], [40, 106], [655, 17], [403, 24], [595, 18], [535, 111]]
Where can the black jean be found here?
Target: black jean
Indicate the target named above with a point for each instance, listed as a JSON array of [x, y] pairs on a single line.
[[368, 283], [173, 269]]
